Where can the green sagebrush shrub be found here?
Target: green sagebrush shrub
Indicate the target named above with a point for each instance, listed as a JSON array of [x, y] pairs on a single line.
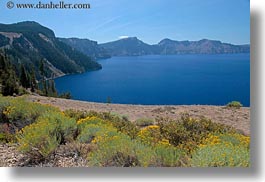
[[188, 132], [19, 112], [142, 122], [92, 127], [222, 150], [5, 135], [119, 150], [114, 148], [234, 104], [121, 124], [77, 115], [221, 155], [42, 137], [169, 156]]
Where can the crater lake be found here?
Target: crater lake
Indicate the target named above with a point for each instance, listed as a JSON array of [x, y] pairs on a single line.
[[206, 79]]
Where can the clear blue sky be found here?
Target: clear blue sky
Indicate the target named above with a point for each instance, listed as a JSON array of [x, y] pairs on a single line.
[[149, 20]]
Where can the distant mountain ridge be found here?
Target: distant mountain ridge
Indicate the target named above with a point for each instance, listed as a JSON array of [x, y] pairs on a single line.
[[131, 46], [134, 47], [87, 47], [29, 42], [203, 46]]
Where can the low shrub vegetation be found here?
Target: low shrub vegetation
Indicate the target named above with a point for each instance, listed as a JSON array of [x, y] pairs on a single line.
[[223, 150], [142, 122], [105, 139], [187, 133], [18, 113], [41, 138], [234, 104], [169, 156], [117, 149]]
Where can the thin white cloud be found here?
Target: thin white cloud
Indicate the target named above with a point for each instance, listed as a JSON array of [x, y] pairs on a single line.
[[123, 37], [100, 26]]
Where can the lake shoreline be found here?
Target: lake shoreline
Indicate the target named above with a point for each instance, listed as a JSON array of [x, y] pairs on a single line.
[[237, 118]]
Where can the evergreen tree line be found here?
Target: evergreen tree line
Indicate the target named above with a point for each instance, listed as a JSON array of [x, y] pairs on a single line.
[[47, 86], [13, 83], [8, 77]]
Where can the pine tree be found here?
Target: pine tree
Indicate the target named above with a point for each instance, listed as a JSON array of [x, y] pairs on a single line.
[[2, 63], [8, 78], [33, 83], [9, 85], [42, 71], [43, 74], [24, 77], [53, 89], [45, 87]]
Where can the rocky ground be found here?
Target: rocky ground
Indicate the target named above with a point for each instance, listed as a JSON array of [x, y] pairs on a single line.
[[237, 118], [64, 156]]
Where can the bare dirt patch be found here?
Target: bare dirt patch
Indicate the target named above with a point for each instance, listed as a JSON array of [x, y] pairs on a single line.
[[238, 118]]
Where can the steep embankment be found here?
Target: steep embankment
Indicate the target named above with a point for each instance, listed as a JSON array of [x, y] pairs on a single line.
[[29, 42]]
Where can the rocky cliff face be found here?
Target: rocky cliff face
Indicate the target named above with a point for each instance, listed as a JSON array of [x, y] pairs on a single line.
[[135, 47], [86, 46], [29, 42]]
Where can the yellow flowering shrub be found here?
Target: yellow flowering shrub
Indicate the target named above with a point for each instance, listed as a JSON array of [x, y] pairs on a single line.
[[119, 150], [188, 146], [211, 139], [221, 155], [20, 112], [115, 141], [4, 103], [120, 123], [89, 120], [77, 115], [236, 139], [164, 142], [93, 132], [187, 133], [5, 135], [231, 138], [113, 148], [218, 150], [42, 137], [8, 110], [166, 154], [151, 135]]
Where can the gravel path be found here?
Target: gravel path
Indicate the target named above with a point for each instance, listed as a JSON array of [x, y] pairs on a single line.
[[238, 118]]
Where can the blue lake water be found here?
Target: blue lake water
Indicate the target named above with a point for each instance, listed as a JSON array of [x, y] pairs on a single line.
[[175, 79]]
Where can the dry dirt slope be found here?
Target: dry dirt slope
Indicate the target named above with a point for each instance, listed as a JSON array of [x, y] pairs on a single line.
[[238, 118]]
